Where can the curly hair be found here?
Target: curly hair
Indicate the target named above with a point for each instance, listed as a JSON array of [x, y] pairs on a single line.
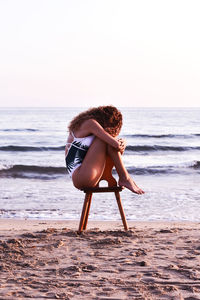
[[109, 117]]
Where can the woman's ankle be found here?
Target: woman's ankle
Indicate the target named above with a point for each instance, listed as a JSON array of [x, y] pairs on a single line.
[[124, 177]]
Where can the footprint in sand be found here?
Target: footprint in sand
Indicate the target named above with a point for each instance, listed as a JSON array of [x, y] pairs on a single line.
[[106, 242]]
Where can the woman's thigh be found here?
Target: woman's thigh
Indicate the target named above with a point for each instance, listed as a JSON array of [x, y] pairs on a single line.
[[91, 170]]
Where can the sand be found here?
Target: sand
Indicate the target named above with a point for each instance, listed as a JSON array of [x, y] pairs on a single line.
[[49, 260]]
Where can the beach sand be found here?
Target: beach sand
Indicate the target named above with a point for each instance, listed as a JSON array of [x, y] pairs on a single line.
[[49, 260]]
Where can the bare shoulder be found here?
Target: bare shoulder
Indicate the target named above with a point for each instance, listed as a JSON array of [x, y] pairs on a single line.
[[95, 128], [86, 128], [90, 123]]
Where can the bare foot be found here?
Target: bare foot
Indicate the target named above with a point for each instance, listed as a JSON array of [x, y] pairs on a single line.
[[130, 184]]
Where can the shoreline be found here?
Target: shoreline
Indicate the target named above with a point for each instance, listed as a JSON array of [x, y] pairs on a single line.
[[23, 225], [46, 259]]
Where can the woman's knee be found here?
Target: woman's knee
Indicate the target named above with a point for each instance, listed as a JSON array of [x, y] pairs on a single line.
[[111, 151]]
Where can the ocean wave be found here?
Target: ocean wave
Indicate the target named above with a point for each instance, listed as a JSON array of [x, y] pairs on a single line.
[[19, 129], [137, 148], [160, 136], [31, 171], [147, 148], [153, 171], [165, 170], [14, 148], [196, 165], [50, 172]]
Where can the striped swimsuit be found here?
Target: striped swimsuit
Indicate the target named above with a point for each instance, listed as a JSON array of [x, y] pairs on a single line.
[[77, 152]]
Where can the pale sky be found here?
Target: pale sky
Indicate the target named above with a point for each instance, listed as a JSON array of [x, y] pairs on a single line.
[[94, 52]]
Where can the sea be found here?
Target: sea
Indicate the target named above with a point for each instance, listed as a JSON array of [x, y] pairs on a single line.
[[162, 156]]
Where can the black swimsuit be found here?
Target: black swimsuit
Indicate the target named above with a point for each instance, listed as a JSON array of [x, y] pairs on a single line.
[[77, 152]]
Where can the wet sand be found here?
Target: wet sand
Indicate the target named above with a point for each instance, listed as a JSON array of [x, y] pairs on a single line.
[[49, 260]]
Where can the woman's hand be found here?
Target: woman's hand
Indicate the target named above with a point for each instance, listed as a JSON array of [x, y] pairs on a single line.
[[122, 145]]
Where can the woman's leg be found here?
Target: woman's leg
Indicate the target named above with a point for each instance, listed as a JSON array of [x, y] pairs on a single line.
[[124, 177], [91, 170]]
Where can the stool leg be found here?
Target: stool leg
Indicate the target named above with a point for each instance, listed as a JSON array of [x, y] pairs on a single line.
[[118, 198], [84, 211], [88, 210]]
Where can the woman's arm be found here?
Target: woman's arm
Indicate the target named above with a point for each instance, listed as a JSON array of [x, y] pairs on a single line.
[[96, 129]]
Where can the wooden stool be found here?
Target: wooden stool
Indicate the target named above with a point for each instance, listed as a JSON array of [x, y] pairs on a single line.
[[112, 187]]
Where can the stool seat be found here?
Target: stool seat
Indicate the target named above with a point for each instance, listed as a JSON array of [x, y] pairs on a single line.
[[102, 189]]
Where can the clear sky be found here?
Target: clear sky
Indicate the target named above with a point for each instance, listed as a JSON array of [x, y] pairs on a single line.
[[93, 52]]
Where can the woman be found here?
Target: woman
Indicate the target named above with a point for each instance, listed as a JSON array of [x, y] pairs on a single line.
[[92, 138]]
